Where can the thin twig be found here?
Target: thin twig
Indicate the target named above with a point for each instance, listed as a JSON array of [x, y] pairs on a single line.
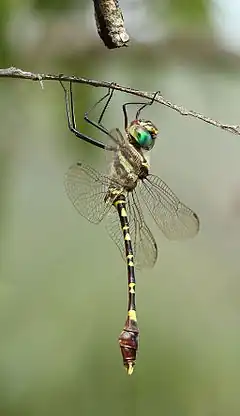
[[110, 23], [19, 73]]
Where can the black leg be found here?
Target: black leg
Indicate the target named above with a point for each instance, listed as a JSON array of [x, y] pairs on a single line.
[[72, 106], [71, 120], [99, 124], [110, 94], [124, 108], [146, 104]]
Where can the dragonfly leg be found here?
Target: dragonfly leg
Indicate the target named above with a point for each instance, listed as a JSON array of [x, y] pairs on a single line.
[[99, 124], [124, 108], [70, 113], [147, 104]]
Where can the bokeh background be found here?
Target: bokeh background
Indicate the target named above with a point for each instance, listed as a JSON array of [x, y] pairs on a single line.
[[62, 283]]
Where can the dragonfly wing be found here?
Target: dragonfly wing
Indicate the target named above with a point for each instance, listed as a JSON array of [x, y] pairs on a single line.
[[175, 219], [117, 136], [145, 246], [114, 230], [118, 139], [87, 189], [143, 242]]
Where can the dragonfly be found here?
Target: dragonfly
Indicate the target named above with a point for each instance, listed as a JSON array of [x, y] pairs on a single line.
[[119, 195]]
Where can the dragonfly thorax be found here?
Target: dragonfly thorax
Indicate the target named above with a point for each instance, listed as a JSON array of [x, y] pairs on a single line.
[[128, 167]]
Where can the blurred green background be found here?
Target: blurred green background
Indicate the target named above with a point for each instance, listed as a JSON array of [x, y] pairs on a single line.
[[63, 284]]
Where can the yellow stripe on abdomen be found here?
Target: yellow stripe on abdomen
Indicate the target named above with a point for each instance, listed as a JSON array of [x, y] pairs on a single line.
[[123, 212], [132, 287], [127, 237], [132, 314]]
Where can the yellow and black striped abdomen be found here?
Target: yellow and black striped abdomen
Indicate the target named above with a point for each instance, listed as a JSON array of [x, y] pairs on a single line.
[[128, 339]]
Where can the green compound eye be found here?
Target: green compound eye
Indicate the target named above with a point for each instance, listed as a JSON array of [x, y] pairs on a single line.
[[144, 139]]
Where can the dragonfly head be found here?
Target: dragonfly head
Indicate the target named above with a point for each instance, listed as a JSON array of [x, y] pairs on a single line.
[[142, 134]]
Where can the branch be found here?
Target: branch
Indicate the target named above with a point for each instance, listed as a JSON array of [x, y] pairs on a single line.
[[19, 73], [110, 24]]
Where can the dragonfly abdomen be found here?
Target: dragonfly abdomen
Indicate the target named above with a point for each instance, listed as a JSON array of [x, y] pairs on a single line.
[[128, 339]]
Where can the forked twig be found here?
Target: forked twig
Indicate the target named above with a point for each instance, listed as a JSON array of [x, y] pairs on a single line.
[[13, 72]]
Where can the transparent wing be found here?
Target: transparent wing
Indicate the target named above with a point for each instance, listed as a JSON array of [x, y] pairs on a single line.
[[117, 136], [145, 245], [175, 219], [87, 189], [143, 242]]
